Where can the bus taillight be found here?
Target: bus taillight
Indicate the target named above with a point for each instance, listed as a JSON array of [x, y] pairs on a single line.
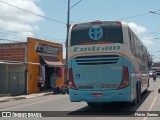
[[119, 22], [71, 80], [125, 78]]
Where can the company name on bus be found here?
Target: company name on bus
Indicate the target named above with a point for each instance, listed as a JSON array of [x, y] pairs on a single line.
[[95, 48]]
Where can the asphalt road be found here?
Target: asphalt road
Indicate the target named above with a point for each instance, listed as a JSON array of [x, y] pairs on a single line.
[[63, 107]]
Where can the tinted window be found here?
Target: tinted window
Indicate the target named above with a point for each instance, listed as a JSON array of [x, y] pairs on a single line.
[[105, 33]]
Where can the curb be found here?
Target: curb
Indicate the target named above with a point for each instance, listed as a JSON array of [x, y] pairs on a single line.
[[10, 98]]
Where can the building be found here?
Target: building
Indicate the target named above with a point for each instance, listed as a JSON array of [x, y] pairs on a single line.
[[23, 64]]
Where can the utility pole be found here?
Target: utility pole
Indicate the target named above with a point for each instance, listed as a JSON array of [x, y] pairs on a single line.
[[68, 25]]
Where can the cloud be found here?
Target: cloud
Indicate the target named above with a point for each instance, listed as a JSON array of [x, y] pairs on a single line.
[[141, 31], [148, 41], [21, 36], [8, 12], [16, 20], [15, 26], [138, 29]]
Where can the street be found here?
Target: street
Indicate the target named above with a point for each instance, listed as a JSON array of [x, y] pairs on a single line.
[[58, 103], [96, 53]]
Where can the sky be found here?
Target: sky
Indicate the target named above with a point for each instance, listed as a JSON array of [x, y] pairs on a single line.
[[46, 19]]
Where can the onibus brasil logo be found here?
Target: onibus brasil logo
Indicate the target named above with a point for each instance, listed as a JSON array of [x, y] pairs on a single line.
[[95, 32]]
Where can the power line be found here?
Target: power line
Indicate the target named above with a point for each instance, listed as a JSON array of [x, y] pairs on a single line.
[[35, 34], [154, 32], [38, 37], [41, 35], [134, 16], [51, 30], [33, 13], [138, 15], [46, 31], [4, 39], [154, 12], [126, 17], [75, 4]]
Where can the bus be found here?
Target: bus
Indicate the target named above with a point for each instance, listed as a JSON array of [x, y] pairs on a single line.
[[106, 63]]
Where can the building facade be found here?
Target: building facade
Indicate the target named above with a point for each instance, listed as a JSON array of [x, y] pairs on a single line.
[[22, 64]]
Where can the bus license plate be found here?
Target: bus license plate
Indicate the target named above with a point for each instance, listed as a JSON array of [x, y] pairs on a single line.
[[97, 95]]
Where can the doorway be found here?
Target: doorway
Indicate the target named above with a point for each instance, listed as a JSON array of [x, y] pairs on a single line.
[[49, 74]]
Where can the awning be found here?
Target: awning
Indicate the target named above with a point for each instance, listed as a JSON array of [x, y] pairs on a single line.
[[51, 61]]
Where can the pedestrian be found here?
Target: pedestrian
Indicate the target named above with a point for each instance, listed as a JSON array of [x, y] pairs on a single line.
[[41, 82], [154, 75]]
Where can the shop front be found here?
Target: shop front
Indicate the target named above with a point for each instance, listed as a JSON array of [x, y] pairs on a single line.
[[45, 65], [30, 67]]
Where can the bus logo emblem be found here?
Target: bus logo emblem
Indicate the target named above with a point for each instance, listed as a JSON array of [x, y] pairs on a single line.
[[95, 32]]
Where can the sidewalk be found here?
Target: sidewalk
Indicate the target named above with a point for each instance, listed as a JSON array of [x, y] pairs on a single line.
[[10, 98]]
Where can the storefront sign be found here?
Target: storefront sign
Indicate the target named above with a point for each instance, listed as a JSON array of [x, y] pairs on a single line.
[[48, 49]]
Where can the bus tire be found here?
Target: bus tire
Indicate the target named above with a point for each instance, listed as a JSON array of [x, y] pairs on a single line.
[[147, 87], [134, 103], [91, 104], [138, 96]]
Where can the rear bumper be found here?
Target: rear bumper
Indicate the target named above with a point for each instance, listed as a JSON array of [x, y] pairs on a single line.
[[121, 95]]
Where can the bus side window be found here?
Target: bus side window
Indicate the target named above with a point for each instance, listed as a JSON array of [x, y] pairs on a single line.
[[132, 41]]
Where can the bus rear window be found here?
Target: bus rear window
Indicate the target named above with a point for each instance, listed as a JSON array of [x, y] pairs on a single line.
[[88, 33]]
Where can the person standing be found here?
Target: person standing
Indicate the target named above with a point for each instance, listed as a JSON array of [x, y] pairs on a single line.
[[41, 83]]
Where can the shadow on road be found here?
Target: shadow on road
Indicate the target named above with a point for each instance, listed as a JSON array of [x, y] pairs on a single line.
[[110, 109]]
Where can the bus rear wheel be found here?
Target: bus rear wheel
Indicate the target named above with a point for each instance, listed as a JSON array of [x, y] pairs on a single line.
[[138, 96]]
